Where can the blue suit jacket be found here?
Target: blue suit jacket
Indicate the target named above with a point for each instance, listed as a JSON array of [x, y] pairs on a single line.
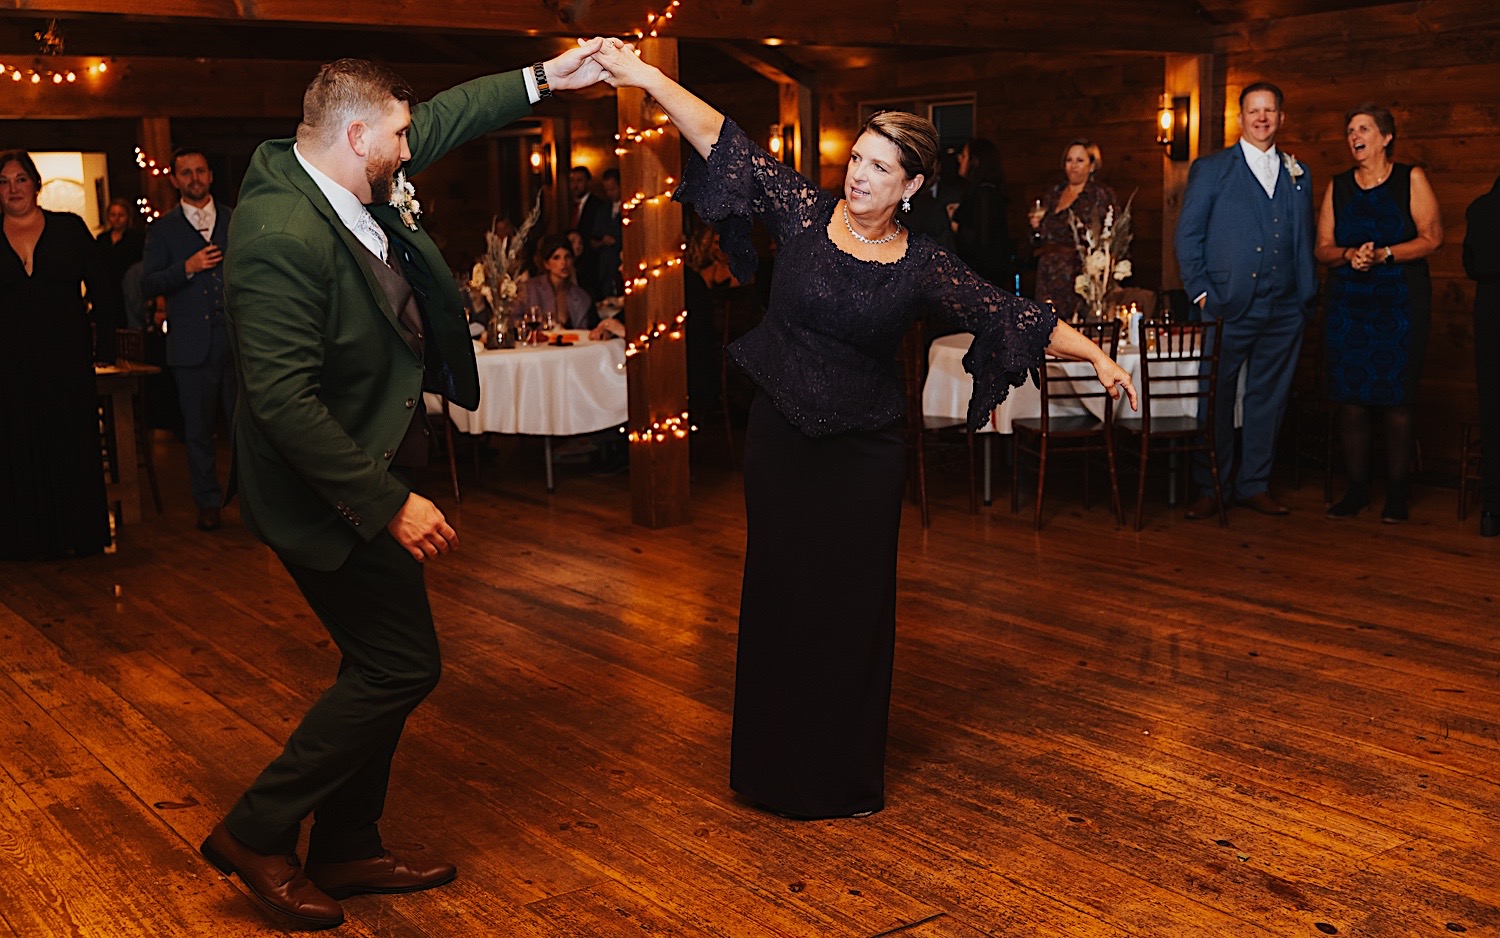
[[1221, 237], [170, 241]]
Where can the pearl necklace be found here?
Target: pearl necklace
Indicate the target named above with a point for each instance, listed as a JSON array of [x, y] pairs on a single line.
[[862, 239]]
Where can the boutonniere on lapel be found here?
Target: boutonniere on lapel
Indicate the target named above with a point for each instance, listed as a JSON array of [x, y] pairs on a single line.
[[1293, 168], [404, 200]]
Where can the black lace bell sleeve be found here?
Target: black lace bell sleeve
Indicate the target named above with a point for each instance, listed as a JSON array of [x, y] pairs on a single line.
[[1010, 333], [740, 180]]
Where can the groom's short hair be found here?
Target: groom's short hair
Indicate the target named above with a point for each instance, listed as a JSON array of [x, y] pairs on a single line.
[[345, 91]]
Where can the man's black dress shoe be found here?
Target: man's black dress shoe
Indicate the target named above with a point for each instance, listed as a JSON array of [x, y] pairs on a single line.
[[385, 874], [276, 881], [1489, 524]]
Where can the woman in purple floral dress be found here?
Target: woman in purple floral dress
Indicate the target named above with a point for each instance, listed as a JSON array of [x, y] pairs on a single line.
[[824, 452]]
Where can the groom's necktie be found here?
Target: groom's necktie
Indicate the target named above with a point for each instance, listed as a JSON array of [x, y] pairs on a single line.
[[369, 232]]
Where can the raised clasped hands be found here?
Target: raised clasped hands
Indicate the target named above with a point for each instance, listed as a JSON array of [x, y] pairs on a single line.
[[1363, 257], [576, 68], [622, 66]]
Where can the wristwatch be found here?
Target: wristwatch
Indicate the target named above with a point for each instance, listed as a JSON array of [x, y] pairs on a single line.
[[1390, 256], [543, 89]]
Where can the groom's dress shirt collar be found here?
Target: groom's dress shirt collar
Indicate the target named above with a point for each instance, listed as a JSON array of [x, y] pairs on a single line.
[[348, 207]]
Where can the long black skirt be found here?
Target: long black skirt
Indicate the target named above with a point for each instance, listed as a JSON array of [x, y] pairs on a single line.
[[817, 617]]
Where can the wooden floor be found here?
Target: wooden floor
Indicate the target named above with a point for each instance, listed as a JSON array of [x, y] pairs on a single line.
[[1287, 727]]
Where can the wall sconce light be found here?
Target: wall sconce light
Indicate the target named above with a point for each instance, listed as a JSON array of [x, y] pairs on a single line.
[[541, 159], [777, 144], [1172, 125]]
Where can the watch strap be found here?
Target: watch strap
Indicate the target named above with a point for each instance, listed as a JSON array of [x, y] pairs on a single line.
[[539, 72]]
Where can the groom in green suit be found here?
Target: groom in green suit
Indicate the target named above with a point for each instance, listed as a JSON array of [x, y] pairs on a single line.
[[342, 313]]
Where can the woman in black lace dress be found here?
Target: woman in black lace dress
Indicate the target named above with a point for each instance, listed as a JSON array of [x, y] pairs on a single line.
[[824, 452]]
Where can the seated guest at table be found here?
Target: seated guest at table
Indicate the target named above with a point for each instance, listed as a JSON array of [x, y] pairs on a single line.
[[979, 230], [120, 245], [554, 291], [1378, 224], [1058, 263], [825, 455], [51, 476]]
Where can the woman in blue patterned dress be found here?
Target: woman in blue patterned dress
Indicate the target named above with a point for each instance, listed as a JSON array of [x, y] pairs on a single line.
[[824, 451], [1378, 223]]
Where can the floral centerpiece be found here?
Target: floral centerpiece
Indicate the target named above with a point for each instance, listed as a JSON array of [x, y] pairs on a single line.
[[499, 274], [1103, 244]]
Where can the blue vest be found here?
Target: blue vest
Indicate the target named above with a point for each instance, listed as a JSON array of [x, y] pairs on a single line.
[[1277, 277]]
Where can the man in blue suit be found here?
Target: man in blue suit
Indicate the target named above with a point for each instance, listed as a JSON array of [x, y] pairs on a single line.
[[1245, 247], [183, 262]]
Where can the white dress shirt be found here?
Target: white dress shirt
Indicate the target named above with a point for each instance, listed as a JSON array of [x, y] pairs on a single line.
[[202, 217], [350, 209], [1266, 165]]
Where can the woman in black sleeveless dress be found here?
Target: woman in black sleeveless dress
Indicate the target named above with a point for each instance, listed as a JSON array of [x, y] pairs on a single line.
[[1378, 223], [824, 452]]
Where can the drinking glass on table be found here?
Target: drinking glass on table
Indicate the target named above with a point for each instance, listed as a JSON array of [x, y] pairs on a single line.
[[531, 324]]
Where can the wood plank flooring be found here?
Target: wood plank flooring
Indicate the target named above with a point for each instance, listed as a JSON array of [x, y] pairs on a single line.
[[1287, 727]]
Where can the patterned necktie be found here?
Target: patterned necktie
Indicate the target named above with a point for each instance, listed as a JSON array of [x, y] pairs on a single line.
[[373, 237], [200, 222]]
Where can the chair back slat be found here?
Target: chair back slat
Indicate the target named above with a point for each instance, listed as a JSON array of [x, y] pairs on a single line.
[[1179, 361], [1103, 333]]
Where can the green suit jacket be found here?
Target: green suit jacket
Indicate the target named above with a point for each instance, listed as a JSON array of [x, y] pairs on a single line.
[[327, 380]]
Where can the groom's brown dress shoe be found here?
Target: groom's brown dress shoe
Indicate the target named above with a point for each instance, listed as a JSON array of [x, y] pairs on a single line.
[[386, 874], [277, 881], [1202, 507], [1265, 504]]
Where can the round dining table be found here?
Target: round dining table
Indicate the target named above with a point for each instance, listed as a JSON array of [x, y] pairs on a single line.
[[546, 390]]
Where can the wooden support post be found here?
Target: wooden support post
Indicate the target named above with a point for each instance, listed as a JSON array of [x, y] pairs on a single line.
[[1185, 76], [155, 136], [657, 376]]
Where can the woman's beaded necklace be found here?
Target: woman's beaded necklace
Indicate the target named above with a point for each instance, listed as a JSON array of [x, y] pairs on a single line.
[[862, 239]]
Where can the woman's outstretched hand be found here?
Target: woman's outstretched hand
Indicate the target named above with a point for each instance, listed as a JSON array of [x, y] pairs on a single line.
[[622, 67], [1115, 380]]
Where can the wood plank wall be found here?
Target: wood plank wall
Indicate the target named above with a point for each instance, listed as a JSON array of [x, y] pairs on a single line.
[[1030, 106], [1436, 65]]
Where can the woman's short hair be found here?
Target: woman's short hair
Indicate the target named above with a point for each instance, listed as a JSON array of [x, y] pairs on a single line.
[[1096, 156], [345, 91], [28, 165], [1384, 121], [984, 162], [914, 137]]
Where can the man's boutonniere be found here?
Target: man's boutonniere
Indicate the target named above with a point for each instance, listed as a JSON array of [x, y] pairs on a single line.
[[1293, 168], [404, 200]]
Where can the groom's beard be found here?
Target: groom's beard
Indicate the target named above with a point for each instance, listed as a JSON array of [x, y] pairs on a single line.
[[378, 171]]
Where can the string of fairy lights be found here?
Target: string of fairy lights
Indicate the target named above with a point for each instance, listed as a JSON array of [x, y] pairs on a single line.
[[663, 429], [150, 166], [38, 76]]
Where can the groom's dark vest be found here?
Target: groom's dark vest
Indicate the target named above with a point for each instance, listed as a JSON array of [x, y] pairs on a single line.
[[1277, 277], [411, 453]]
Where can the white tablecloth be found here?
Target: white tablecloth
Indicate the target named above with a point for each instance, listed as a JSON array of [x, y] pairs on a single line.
[[949, 387], [544, 390]]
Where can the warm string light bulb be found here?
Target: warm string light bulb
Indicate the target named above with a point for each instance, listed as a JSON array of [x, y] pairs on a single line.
[[667, 428], [148, 164], [655, 23]]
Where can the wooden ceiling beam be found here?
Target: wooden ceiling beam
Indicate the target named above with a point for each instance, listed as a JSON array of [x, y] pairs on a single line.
[[1019, 25]]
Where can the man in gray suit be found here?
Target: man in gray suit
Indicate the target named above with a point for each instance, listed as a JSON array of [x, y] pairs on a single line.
[[183, 262], [1245, 247]]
